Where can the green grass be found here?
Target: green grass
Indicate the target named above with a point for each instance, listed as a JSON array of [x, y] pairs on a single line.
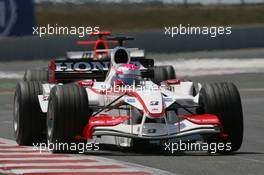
[[7, 85], [136, 18]]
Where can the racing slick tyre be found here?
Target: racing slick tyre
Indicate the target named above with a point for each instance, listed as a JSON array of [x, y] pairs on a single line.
[[28, 119], [68, 113], [162, 73], [223, 100], [36, 75]]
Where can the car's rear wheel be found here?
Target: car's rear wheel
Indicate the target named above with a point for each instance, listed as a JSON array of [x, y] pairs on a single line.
[[163, 73], [36, 75], [223, 100], [28, 119], [68, 112]]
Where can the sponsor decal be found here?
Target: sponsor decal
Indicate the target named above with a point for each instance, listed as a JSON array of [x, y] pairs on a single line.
[[154, 109], [168, 99], [154, 103], [131, 100], [45, 97], [87, 55], [151, 131], [83, 66]]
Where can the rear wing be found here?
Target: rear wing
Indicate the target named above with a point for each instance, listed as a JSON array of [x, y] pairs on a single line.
[[134, 52], [69, 70]]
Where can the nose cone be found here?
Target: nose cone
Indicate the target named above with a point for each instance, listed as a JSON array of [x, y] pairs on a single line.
[[152, 103]]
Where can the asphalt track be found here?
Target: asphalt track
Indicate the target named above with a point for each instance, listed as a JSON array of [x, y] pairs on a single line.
[[248, 160]]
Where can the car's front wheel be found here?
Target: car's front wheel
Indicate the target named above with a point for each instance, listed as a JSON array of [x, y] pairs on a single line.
[[68, 112], [223, 100]]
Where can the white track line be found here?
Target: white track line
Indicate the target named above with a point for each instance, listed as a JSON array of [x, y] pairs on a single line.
[[30, 153], [46, 158], [22, 171]]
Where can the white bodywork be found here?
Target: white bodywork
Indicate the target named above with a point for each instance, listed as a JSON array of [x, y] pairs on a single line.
[[149, 102]]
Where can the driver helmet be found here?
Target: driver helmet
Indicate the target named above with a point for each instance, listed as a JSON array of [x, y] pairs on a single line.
[[126, 74]]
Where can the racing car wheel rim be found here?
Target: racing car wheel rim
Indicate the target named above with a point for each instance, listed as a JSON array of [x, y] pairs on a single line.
[[50, 118], [16, 114]]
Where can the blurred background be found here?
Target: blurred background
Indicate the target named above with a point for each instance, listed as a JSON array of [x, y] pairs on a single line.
[[145, 20], [158, 1]]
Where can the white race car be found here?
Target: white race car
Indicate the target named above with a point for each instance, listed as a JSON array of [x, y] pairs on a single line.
[[126, 107]]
